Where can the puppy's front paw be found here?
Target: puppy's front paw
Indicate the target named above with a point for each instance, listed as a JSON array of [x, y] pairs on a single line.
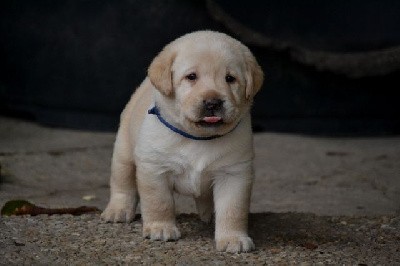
[[235, 244], [116, 213], [161, 231]]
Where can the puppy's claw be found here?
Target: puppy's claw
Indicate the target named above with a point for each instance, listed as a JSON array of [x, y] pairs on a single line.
[[235, 244], [163, 232]]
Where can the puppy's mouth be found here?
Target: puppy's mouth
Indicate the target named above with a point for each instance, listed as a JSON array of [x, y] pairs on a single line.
[[210, 121]]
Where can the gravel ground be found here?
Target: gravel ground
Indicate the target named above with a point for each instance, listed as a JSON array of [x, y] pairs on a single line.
[[285, 238]]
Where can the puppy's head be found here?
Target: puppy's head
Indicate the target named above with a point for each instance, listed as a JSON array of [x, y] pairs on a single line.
[[206, 82]]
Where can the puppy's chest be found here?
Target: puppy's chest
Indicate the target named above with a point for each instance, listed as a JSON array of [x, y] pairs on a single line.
[[189, 174], [189, 165], [189, 181]]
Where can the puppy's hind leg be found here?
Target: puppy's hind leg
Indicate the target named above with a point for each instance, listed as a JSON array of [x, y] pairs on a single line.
[[205, 206], [124, 196]]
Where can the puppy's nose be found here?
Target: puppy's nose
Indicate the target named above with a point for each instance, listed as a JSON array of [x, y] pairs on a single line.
[[213, 104]]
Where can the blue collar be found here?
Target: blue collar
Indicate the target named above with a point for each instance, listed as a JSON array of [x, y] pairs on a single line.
[[156, 111]]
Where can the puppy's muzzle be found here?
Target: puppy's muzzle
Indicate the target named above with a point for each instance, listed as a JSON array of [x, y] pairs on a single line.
[[212, 105], [212, 112]]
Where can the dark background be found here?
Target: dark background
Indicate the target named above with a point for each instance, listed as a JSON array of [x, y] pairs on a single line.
[[332, 67]]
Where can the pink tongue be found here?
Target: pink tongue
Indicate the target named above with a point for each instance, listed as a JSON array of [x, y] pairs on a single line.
[[211, 119]]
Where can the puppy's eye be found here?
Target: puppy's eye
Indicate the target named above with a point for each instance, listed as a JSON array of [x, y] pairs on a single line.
[[230, 79], [191, 77]]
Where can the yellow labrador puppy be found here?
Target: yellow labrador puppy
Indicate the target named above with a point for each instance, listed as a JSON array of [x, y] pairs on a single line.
[[187, 128]]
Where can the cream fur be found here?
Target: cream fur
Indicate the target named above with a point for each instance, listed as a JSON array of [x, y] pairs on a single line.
[[152, 161]]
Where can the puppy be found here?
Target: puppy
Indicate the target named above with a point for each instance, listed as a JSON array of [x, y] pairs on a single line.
[[187, 129]]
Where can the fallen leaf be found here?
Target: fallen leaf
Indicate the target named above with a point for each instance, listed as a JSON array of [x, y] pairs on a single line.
[[23, 207]]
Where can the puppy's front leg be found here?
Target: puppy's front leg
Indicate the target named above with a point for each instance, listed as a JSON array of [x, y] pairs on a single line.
[[157, 205], [123, 199], [232, 201]]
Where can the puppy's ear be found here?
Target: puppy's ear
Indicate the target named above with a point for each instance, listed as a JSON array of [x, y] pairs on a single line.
[[254, 76], [160, 73]]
